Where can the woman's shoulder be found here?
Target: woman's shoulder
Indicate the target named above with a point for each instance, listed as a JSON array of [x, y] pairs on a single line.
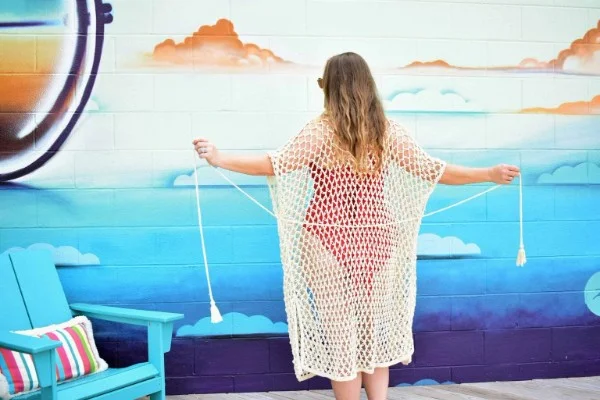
[[397, 128], [319, 124]]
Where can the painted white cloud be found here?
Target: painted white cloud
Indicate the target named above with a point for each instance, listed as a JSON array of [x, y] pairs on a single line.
[[233, 323], [92, 105], [425, 382], [580, 174], [63, 255], [430, 100], [432, 245], [207, 176], [592, 293], [185, 180]]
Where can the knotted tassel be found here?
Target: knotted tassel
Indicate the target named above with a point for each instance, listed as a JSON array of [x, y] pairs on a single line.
[[215, 314], [521, 257]]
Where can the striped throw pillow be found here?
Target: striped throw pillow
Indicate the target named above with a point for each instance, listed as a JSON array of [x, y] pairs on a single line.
[[76, 357]]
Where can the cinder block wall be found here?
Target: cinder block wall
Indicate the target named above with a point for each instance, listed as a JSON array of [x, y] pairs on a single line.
[[477, 82]]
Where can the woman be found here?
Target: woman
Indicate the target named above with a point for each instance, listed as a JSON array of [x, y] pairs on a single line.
[[349, 192]]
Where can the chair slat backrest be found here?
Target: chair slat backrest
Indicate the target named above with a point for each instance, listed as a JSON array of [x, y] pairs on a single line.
[[13, 313], [41, 288]]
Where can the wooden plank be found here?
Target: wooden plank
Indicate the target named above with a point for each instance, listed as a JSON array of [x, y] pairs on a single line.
[[588, 379], [42, 291], [125, 315], [474, 390], [591, 385], [434, 392], [405, 394], [27, 344], [313, 395], [522, 390], [13, 314], [110, 380], [568, 391], [328, 393], [259, 396], [547, 389], [131, 391], [551, 386]]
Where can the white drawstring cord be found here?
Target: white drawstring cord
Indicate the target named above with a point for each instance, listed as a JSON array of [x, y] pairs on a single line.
[[215, 314], [214, 311], [352, 226], [521, 257]]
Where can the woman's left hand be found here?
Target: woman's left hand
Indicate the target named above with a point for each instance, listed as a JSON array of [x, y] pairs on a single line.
[[503, 174], [207, 151]]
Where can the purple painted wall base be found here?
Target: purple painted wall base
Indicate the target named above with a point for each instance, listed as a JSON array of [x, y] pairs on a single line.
[[265, 364]]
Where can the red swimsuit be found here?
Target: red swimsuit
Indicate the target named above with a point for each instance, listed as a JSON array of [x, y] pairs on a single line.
[[342, 197]]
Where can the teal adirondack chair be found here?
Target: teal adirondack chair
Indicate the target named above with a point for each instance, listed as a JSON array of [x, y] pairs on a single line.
[[31, 296]]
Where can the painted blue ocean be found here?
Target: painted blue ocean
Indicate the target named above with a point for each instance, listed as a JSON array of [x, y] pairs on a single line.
[[141, 246]]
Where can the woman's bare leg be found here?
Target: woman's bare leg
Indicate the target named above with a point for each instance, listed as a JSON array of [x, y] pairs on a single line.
[[347, 390], [376, 384]]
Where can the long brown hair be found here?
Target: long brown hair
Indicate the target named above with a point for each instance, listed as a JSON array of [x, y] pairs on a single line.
[[354, 109]]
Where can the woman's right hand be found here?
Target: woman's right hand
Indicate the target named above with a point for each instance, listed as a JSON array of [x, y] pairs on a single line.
[[207, 151], [503, 174]]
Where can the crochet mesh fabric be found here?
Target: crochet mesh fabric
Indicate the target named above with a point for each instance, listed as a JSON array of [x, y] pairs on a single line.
[[348, 247]]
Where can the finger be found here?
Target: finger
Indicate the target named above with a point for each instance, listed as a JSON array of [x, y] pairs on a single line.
[[513, 168]]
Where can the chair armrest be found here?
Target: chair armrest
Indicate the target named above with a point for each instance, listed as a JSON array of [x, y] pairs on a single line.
[[27, 344], [124, 315]]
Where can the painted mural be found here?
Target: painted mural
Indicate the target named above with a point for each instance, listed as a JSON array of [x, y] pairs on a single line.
[[97, 166]]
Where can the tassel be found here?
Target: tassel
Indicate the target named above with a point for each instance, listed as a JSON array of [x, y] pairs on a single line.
[[215, 314], [521, 257]]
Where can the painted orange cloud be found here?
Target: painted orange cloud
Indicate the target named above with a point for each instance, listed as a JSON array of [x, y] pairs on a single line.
[[582, 56], [214, 45], [572, 108], [435, 64]]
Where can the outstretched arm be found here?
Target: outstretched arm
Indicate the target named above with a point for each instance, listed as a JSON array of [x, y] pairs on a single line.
[[459, 175], [245, 164], [419, 163], [295, 154]]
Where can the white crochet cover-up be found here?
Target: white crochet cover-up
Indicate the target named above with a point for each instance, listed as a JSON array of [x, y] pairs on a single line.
[[348, 247]]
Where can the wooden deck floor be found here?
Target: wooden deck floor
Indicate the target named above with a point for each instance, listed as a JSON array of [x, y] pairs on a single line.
[[539, 389]]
